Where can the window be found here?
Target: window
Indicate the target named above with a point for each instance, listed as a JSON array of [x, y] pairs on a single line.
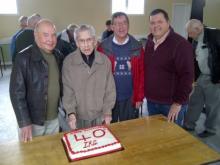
[[128, 6], [8, 7]]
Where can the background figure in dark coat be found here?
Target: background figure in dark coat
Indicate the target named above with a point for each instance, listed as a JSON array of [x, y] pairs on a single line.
[[65, 40], [206, 90], [108, 30], [23, 24], [26, 37]]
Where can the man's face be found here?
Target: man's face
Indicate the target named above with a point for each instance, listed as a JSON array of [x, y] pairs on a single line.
[[120, 28], [46, 38], [86, 43], [158, 25], [109, 27], [193, 33]]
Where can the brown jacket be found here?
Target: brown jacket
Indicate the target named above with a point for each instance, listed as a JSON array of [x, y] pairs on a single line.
[[88, 92]]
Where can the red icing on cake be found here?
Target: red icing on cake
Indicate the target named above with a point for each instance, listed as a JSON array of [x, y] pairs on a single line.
[[89, 142]]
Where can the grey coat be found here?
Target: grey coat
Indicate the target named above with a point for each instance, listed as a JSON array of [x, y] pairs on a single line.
[[88, 92]]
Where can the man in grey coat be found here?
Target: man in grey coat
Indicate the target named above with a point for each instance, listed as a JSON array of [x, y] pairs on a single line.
[[88, 84]]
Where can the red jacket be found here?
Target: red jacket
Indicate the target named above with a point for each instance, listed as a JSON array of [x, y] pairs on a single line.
[[137, 64]]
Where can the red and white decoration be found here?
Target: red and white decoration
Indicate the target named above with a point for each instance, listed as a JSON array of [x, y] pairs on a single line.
[[90, 142]]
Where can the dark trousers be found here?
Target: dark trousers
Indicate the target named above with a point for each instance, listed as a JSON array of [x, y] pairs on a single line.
[[124, 110]]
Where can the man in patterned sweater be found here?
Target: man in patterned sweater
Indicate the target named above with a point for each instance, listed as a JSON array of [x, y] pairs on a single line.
[[126, 55]]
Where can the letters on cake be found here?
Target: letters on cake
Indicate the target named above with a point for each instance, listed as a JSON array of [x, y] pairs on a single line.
[[90, 142]]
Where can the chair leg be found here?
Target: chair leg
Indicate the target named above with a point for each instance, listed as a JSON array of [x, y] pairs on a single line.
[[3, 59], [1, 68]]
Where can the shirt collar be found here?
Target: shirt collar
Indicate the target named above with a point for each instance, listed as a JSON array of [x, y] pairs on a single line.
[[161, 40], [79, 59], [125, 42]]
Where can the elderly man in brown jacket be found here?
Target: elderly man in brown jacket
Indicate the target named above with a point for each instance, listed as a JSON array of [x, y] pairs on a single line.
[[88, 85]]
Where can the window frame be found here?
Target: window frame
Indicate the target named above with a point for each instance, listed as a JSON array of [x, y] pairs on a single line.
[[126, 9], [10, 13]]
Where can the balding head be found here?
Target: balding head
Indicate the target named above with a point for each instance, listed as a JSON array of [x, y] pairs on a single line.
[[194, 28], [33, 20], [43, 23], [45, 35]]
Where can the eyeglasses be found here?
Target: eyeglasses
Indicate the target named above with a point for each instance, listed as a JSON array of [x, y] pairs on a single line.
[[124, 23], [84, 41]]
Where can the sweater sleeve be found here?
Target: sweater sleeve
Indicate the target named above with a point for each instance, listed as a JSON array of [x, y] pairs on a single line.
[[184, 66], [140, 96]]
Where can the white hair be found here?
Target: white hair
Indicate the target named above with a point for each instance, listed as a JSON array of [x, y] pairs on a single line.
[[82, 28], [194, 25]]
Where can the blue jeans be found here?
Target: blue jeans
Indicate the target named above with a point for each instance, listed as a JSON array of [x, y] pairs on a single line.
[[156, 108]]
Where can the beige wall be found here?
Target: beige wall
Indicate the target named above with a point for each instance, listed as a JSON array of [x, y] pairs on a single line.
[[94, 12], [211, 13]]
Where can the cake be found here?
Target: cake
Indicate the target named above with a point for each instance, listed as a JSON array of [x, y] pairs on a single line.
[[90, 142]]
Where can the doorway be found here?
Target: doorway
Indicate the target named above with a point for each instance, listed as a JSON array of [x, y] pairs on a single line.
[[181, 14]]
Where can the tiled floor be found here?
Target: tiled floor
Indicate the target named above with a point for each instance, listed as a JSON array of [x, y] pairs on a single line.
[[8, 124]]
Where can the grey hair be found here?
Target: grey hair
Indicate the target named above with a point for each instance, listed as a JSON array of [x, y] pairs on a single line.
[[194, 25], [119, 14], [23, 21], [33, 20], [83, 28], [72, 27]]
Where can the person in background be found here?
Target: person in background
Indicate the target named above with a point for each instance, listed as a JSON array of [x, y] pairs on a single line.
[[127, 57], [35, 84], [169, 70], [88, 83], [65, 40], [206, 90], [108, 30], [26, 36], [22, 24]]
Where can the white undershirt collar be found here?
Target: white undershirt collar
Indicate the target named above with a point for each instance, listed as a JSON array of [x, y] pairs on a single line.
[[125, 41]]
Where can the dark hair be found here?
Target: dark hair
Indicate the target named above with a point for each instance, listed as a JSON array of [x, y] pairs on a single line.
[[108, 22], [157, 11], [118, 14]]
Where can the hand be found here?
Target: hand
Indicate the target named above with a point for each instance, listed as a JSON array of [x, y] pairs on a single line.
[[138, 104], [26, 133], [72, 121], [107, 119], [174, 112]]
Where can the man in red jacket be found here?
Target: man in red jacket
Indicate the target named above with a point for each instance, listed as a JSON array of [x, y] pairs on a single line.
[[126, 55], [168, 69]]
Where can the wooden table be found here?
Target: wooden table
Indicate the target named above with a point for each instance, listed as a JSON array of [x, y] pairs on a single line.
[[149, 140]]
